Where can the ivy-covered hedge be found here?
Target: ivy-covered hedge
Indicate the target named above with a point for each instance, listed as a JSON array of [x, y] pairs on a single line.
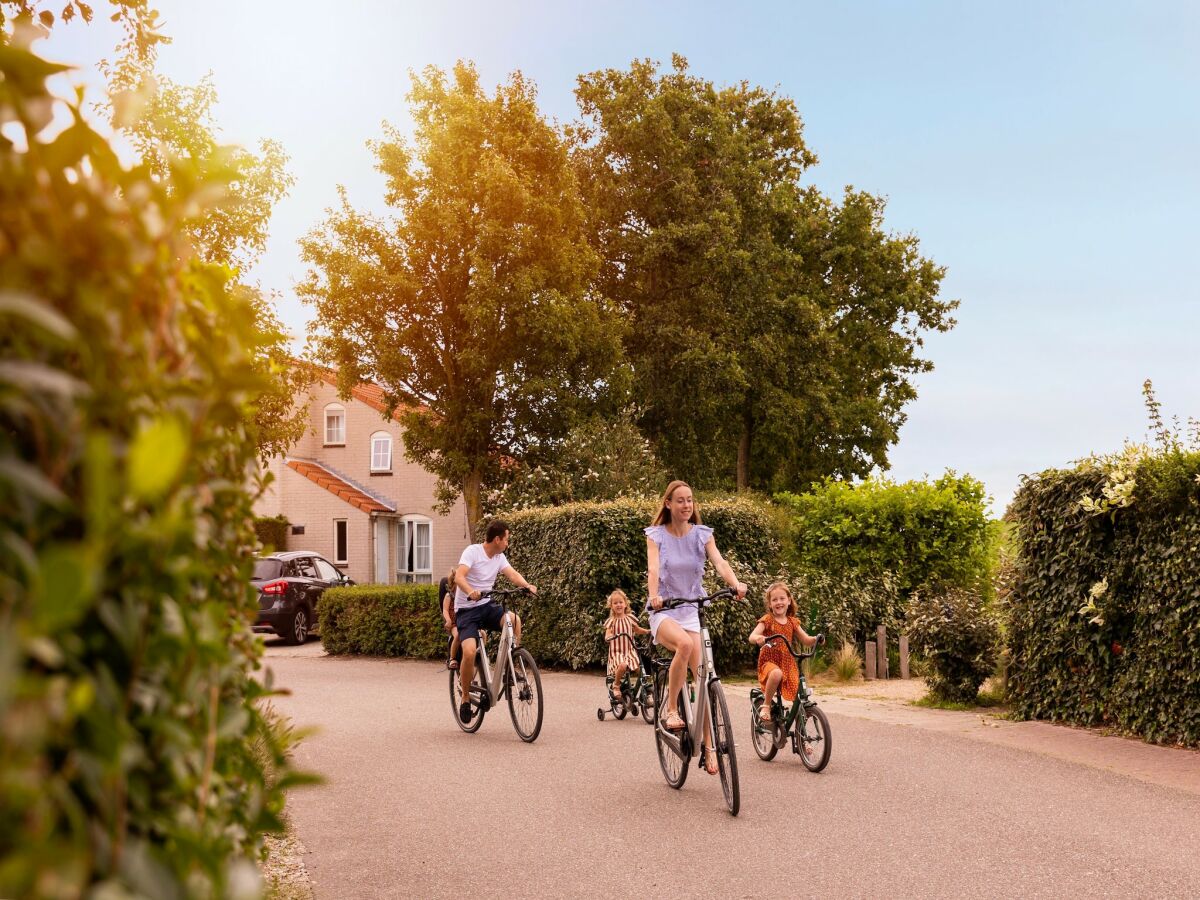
[[135, 756], [272, 531], [576, 554], [1104, 613], [383, 620]]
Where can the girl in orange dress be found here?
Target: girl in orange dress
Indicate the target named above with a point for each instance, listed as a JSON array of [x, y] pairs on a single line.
[[622, 656], [776, 666]]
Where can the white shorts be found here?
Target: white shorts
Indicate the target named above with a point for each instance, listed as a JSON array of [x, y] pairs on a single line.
[[688, 618]]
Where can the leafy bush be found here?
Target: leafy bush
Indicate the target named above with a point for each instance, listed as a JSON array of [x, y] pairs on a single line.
[[272, 532], [848, 605], [923, 533], [383, 620], [1104, 613], [958, 637], [134, 751]]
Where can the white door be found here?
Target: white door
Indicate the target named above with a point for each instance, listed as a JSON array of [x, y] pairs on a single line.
[[383, 572]]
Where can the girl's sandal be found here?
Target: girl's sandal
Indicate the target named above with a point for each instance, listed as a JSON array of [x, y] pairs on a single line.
[[710, 760]]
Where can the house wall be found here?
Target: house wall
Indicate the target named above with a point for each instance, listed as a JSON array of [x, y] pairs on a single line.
[[409, 487]]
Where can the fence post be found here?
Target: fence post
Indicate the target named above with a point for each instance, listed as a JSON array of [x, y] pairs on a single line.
[[869, 661], [904, 656], [881, 667]]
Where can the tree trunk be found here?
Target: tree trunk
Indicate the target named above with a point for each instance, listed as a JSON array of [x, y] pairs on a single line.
[[471, 497], [743, 457]]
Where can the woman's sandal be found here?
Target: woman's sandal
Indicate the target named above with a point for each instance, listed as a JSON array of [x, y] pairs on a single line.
[[674, 722], [710, 760]]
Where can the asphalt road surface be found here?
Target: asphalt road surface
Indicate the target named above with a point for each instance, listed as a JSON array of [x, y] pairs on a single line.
[[413, 807]]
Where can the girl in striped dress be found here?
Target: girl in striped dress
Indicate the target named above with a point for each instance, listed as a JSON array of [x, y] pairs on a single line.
[[622, 657], [776, 666]]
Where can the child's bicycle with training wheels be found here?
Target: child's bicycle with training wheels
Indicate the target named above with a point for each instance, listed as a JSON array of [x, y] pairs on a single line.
[[805, 722], [637, 693], [676, 748], [515, 676]]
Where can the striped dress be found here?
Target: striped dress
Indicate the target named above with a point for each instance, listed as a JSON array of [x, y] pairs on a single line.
[[774, 656], [621, 652]]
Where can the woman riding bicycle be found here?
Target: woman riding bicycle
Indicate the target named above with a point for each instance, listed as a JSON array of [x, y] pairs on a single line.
[[677, 546]]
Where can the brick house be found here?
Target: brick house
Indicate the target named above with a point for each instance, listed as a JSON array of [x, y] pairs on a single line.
[[350, 495]]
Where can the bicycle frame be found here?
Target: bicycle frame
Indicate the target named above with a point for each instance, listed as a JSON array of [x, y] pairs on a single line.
[[494, 681], [706, 674], [803, 695]]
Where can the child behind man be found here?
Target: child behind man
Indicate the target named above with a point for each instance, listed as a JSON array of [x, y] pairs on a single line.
[[622, 655]]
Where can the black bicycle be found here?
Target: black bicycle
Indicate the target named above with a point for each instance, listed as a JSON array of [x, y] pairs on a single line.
[[516, 677], [805, 722], [676, 748], [637, 688]]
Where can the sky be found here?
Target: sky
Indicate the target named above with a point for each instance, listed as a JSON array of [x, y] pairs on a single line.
[[1045, 153]]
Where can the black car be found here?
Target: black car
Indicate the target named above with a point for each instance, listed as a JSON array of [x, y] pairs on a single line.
[[290, 586]]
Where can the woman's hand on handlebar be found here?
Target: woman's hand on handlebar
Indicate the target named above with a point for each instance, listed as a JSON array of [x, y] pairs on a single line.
[[741, 590], [656, 601]]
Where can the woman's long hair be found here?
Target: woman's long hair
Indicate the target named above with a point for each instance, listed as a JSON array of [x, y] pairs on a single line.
[[663, 517]]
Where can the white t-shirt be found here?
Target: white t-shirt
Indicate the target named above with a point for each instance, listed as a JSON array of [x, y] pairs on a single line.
[[481, 574]]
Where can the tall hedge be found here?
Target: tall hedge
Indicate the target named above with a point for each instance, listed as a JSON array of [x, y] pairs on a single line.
[[1104, 613], [383, 620], [919, 532], [134, 757], [272, 531]]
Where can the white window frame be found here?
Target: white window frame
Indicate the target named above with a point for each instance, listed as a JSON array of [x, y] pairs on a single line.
[[378, 464], [345, 542], [339, 410], [414, 526]]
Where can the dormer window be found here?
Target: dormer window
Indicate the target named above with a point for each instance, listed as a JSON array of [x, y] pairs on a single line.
[[381, 452], [335, 425]]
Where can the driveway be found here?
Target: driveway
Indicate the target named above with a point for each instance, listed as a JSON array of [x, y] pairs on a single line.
[[413, 807]]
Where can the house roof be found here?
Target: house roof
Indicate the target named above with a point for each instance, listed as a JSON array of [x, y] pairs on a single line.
[[366, 392], [338, 486]]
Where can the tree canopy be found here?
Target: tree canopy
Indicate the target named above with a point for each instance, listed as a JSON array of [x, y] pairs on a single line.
[[473, 305]]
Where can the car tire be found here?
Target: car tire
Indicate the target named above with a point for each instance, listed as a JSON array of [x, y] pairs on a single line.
[[298, 627]]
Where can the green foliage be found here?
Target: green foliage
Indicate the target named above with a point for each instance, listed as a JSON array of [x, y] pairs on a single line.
[[134, 749], [773, 333], [576, 554], [921, 532], [272, 531], [473, 307], [602, 459], [847, 605], [383, 620], [958, 637], [847, 663], [1104, 614]]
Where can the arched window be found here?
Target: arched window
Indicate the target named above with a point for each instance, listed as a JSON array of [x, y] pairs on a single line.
[[381, 452], [416, 550], [335, 425]]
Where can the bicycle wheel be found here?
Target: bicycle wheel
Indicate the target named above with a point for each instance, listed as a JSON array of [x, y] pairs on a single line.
[[813, 739], [471, 726], [762, 738], [674, 767], [619, 709], [646, 699], [726, 752], [525, 695]]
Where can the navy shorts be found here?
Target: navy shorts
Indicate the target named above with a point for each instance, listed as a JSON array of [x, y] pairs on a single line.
[[470, 620]]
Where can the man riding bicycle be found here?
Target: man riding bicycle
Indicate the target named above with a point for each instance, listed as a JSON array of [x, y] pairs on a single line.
[[477, 570]]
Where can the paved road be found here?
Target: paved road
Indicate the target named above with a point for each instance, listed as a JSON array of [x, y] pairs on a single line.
[[415, 808]]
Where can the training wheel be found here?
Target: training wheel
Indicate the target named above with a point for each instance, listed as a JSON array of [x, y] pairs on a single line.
[[600, 714]]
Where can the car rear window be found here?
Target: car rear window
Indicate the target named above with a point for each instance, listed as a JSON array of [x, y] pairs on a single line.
[[266, 568]]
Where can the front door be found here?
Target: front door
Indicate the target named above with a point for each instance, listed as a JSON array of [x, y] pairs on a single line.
[[383, 572]]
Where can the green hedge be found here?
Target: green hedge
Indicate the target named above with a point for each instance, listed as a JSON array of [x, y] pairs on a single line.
[[576, 555], [1104, 614], [272, 532], [383, 620]]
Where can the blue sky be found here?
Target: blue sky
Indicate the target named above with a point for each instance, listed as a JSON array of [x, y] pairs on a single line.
[[1045, 153]]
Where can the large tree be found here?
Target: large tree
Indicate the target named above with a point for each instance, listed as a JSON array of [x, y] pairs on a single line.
[[472, 305], [773, 333]]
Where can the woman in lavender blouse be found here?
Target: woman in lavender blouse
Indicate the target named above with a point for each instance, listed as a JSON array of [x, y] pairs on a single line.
[[677, 546]]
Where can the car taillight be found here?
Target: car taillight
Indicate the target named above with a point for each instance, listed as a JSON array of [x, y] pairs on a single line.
[[275, 588]]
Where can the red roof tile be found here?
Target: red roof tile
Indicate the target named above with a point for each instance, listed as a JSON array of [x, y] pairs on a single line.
[[330, 482]]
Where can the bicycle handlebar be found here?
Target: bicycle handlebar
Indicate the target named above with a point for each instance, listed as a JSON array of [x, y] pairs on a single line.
[[506, 592], [799, 656], [676, 602]]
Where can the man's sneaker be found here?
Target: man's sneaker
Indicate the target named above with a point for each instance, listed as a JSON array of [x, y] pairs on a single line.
[[464, 713]]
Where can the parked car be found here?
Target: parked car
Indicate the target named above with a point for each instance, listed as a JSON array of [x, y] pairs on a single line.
[[290, 586]]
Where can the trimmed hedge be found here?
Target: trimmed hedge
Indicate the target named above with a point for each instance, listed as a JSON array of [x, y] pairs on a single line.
[[575, 554], [272, 532], [383, 620], [1104, 614]]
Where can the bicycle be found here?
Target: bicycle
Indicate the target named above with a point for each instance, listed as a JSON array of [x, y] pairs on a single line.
[[675, 749], [805, 722], [515, 676], [637, 694]]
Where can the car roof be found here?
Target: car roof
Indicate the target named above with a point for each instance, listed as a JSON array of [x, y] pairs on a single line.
[[291, 554]]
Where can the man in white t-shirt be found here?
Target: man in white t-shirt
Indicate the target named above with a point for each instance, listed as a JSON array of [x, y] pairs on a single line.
[[477, 570]]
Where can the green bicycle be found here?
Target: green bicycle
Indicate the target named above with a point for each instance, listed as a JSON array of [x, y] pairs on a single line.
[[805, 722]]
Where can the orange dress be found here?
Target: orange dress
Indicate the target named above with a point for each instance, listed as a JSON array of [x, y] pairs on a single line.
[[775, 656]]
